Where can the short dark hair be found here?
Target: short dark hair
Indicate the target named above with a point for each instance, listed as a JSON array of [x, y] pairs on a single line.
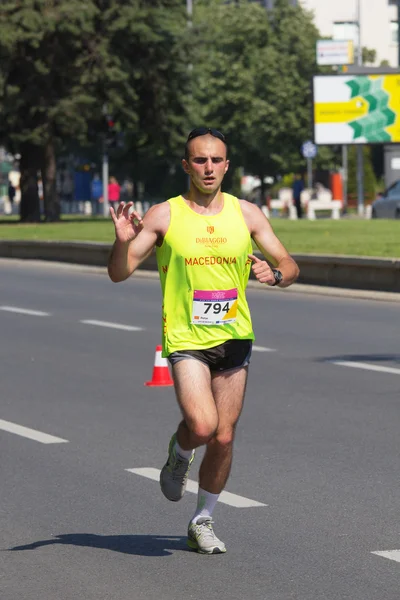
[[198, 131]]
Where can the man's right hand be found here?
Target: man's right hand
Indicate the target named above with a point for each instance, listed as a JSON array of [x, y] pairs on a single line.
[[127, 226]]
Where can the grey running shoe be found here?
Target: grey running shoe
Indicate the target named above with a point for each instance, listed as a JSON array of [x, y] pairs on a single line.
[[201, 537], [174, 474]]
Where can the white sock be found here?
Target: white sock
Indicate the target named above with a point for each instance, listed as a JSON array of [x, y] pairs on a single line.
[[184, 453], [205, 504]]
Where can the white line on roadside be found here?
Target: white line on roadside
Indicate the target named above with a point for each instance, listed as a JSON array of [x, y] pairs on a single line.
[[24, 311], [263, 349], [112, 325], [32, 434], [367, 367], [192, 486], [390, 554]]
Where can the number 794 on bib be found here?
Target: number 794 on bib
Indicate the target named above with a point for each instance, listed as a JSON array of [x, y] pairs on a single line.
[[214, 307]]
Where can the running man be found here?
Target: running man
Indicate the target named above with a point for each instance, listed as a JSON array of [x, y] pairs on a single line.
[[203, 242]]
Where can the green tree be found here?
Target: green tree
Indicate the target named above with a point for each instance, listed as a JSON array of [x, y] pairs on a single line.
[[150, 44], [65, 62], [368, 55], [44, 61], [252, 78]]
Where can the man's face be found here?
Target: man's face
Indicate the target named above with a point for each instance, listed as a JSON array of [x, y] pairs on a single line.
[[207, 163]]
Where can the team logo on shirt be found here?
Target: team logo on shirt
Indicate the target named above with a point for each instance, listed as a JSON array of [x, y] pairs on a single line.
[[210, 229], [211, 242]]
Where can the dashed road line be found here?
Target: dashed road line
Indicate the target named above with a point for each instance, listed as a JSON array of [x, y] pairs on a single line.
[[24, 311], [263, 349], [112, 325], [367, 367], [32, 434], [390, 554], [192, 486]]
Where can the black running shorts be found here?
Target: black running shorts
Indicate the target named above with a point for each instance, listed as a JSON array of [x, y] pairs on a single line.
[[232, 354]]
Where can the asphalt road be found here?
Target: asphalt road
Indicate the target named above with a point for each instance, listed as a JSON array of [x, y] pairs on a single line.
[[317, 448]]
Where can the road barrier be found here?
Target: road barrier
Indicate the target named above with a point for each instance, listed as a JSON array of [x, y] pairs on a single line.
[[378, 274], [354, 272]]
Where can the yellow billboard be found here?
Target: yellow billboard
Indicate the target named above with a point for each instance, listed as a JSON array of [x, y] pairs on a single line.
[[356, 109]]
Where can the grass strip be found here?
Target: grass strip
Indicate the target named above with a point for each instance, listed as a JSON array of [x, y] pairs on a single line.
[[324, 236]]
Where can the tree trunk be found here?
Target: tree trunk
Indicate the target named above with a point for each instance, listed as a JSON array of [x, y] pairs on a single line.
[[29, 209], [49, 172]]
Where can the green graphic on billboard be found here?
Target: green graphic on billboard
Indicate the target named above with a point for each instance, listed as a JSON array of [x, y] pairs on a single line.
[[357, 110], [373, 126]]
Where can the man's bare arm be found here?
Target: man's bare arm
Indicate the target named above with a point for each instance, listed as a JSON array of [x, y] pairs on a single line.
[[270, 246], [135, 238]]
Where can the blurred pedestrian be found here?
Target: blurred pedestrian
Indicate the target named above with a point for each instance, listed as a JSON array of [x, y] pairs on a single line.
[[298, 187], [114, 193], [11, 193], [67, 191], [41, 195], [127, 190], [96, 190]]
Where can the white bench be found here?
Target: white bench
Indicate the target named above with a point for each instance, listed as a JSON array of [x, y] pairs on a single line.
[[283, 202], [332, 205], [276, 204], [286, 197], [324, 202], [7, 206]]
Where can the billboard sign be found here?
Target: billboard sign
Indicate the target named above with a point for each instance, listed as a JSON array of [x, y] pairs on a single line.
[[335, 52], [358, 109]]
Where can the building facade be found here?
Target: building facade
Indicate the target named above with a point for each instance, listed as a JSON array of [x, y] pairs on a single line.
[[378, 24]]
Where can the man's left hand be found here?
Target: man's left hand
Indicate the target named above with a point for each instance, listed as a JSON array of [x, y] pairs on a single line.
[[262, 270]]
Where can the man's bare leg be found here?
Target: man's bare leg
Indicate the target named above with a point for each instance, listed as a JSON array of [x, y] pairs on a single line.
[[228, 391], [200, 421], [193, 389]]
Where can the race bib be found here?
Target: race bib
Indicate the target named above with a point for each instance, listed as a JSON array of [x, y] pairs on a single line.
[[215, 307]]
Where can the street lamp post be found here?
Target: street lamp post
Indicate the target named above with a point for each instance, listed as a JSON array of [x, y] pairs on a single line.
[[105, 169], [360, 156]]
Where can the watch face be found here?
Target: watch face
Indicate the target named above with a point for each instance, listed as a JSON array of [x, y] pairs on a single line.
[[278, 276]]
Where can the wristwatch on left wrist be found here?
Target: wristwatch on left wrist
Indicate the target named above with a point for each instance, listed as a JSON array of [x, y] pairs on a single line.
[[278, 276]]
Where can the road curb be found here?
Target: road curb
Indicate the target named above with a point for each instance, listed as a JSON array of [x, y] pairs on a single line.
[[296, 288], [319, 271]]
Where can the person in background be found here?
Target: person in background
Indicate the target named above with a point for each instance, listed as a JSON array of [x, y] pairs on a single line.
[[11, 194], [298, 187], [67, 194], [127, 190], [114, 193], [96, 191], [41, 195]]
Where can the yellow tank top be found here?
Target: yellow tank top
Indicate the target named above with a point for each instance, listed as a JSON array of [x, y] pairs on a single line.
[[204, 268]]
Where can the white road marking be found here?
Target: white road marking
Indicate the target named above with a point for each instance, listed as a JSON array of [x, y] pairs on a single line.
[[263, 349], [24, 311], [112, 325], [367, 367], [192, 486], [390, 554], [31, 434]]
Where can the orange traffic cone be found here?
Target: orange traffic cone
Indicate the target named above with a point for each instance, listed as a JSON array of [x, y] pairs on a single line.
[[161, 374]]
